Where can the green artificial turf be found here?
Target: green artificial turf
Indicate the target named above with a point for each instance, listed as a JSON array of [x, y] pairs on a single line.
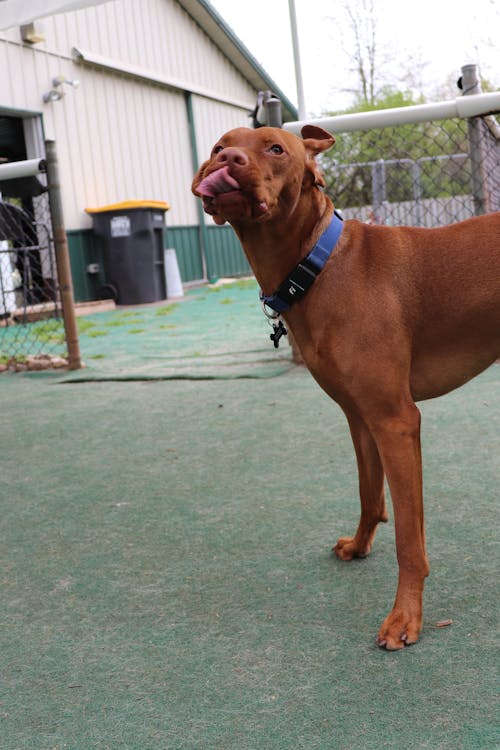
[[213, 333], [167, 579]]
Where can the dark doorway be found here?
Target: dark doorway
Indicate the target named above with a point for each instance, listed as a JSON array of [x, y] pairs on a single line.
[[17, 225]]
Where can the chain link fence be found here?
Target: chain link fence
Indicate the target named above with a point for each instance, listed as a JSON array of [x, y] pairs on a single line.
[[423, 174], [32, 334]]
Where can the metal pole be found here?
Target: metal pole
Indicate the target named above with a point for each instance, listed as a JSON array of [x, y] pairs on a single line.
[[296, 59], [471, 86], [62, 257], [379, 191], [417, 193], [272, 107]]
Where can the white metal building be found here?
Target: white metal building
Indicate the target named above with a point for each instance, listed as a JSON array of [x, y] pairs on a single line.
[[159, 81]]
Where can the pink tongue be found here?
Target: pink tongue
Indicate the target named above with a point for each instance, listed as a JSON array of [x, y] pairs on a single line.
[[217, 182]]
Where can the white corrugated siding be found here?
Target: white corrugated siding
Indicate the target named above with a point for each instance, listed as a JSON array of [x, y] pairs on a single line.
[[120, 137], [212, 120]]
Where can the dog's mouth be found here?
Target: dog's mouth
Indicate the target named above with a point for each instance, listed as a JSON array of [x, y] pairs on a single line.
[[225, 199], [216, 183]]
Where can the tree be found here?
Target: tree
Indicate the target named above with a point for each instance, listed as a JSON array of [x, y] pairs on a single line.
[[412, 156], [362, 23], [367, 59], [374, 65]]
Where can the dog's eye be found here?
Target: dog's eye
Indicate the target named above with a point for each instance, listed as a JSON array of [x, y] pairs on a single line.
[[218, 148], [276, 149]]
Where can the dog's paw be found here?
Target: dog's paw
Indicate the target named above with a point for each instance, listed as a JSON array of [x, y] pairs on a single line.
[[347, 548], [399, 629]]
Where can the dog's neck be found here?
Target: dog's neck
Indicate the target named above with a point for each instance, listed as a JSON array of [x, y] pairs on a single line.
[[275, 246]]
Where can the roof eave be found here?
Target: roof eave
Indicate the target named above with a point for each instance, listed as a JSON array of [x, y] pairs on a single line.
[[212, 23]]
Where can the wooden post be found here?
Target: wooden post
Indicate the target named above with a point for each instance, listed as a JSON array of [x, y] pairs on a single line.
[[62, 257]]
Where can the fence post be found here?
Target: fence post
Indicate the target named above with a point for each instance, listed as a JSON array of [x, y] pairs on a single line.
[[274, 116], [62, 257], [471, 85], [417, 193], [379, 191]]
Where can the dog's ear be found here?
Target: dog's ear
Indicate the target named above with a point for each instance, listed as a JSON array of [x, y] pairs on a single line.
[[316, 140]]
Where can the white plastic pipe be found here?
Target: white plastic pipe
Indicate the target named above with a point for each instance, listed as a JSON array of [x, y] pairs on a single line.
[[15, 169], [464, 107]]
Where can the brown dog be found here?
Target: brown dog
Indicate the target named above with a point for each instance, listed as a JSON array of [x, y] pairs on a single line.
[[396, 314]]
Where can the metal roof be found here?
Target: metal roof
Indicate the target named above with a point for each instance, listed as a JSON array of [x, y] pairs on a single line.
[[212, 23]]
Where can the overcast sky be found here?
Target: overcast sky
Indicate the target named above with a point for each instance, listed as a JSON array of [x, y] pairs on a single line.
[[441, 35]]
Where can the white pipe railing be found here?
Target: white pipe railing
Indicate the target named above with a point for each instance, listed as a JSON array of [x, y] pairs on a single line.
[[463, 107], [15, 169]]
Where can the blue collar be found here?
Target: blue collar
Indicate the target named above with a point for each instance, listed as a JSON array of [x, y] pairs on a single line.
[[303, 275]]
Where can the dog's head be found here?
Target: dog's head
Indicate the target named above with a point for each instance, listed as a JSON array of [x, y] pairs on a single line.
[[253, 175]]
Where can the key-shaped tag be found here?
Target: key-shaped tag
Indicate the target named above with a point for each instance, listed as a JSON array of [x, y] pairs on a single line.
[[279, 331]]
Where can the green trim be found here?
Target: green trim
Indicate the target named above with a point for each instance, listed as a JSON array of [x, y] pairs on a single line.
[[185, 240], [223, 254], [84, 249], [192, 131], [202, 234]]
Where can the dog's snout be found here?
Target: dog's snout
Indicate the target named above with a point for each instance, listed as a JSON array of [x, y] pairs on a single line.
[[232, 156]]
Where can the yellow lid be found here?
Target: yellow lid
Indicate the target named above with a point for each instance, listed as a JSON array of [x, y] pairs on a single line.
[[129, 204]]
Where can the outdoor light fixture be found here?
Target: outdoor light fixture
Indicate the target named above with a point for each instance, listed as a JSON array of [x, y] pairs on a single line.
[[53, 95], [57, 92]]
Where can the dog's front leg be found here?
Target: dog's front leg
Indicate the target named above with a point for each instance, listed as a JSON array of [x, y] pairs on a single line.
[[398, 440], [371, 492]]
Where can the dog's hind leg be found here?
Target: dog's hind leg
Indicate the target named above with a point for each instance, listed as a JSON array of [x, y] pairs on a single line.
[[371, 492]]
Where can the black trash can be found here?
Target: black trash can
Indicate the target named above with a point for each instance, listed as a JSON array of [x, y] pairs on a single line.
[[131, 234]]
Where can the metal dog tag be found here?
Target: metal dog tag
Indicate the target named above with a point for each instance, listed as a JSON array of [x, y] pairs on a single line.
[[279, 330]]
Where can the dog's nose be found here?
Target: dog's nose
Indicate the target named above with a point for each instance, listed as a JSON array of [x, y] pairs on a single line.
[[232, 156]]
